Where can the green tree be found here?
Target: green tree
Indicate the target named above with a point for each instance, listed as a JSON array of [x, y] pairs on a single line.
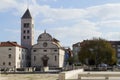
[[96, 51]]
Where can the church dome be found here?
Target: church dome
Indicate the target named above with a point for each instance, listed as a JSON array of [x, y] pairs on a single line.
[[45, 37]]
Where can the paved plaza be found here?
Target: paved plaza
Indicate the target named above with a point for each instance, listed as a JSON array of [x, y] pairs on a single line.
[[28, 76]]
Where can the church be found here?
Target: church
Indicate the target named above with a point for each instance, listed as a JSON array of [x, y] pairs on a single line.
[[46, 52]]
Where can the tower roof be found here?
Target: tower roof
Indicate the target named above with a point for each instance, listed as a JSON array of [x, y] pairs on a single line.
[[27, 15]]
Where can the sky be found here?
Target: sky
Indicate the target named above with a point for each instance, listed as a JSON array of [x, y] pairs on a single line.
[[69, 21]]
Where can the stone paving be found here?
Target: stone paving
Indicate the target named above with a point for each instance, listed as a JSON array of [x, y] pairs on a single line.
[[28, 76]]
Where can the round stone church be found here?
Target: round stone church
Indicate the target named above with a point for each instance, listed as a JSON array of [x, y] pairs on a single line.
[[47, 52]]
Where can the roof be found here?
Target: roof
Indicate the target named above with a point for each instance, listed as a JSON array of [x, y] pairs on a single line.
[[10, 44], [27, 15]]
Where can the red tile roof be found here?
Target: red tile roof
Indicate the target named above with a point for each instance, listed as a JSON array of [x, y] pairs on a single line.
[[9, 44]]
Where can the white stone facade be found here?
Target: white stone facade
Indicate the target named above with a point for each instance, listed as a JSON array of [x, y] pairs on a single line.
[[12, 56], [50, 47]]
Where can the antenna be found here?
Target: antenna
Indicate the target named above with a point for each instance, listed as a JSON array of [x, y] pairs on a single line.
[[27, 4]]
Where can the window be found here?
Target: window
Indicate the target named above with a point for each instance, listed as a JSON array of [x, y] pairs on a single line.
[[24, 31], [19, 56], [34, 50], [45, 50], [26, 25], [19, 49], [24, 37], [55, 58], [22, 56], [9, 63], [55, 50], [3, 63], [9, 56], [34, 58], [28, 31], [9, 49], [28, 37]]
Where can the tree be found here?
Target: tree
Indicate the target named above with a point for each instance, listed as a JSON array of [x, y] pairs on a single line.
[[97, 51]]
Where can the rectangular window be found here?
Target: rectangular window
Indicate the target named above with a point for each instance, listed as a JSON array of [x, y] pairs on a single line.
[[9, 56], [26, 25], [28, 37], [22, 56], [28, 31], [45, 50], [9, 49], [9, 63], [19, 57], [34, 50], [24, 31], [3, 63], [55, 58], [55, 50], [24, 37], [34, 58]]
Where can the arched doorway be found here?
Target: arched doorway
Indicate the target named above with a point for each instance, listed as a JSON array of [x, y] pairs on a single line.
[[45, 59]]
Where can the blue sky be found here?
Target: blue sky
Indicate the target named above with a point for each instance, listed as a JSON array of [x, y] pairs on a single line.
[[70, 21]]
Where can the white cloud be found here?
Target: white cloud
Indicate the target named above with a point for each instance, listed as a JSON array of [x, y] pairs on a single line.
[[112, 36], [80, 23], [15, 31], [6, 4]]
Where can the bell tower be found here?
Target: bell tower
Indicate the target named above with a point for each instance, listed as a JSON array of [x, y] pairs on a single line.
[[27, 30], [27, 33]]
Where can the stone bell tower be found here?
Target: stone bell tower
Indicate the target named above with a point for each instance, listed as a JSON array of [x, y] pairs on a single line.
[[27, 32]]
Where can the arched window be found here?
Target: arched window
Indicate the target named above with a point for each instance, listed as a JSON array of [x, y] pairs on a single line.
[[3, 63], [9, 56], [9, 63], [34, 58], [55, 58]]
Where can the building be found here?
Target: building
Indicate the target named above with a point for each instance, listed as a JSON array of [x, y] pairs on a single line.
[[76, 49], [12, 55], [27, 34], [47, 52], [116, 46], [68, 56]]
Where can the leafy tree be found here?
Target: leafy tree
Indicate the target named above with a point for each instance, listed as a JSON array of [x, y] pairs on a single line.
[[97, 51]]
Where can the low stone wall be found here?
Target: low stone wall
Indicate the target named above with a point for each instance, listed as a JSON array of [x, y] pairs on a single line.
[[101, 75], [70, 74]]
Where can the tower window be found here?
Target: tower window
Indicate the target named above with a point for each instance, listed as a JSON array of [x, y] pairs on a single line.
[[28, 37], [24, 31], [24, 37], [26, 25], [28, 31]]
